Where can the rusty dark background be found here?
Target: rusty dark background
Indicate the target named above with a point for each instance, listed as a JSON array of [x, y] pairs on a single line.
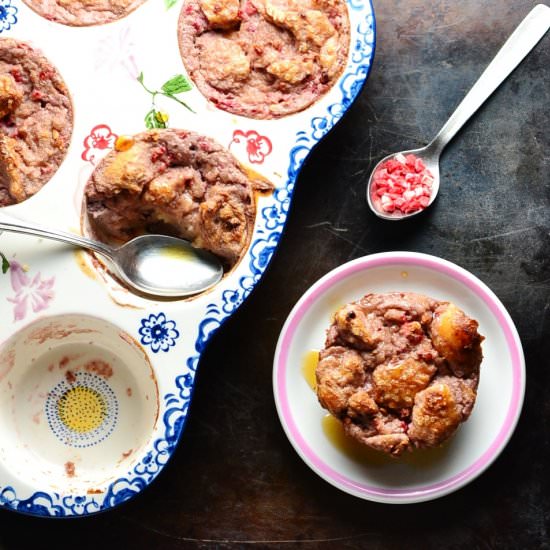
[[235, 481]]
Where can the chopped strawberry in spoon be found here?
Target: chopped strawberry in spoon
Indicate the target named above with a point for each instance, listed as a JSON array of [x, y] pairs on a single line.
[[402, 183]]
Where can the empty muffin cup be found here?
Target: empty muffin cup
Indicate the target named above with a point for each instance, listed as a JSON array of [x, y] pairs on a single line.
[[78, 402]]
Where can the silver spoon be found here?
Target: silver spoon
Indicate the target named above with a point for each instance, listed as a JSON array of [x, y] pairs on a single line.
[[521, 42], [157, 265]]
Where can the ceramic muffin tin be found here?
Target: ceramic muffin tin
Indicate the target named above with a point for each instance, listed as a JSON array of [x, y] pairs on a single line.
[[95, 382]]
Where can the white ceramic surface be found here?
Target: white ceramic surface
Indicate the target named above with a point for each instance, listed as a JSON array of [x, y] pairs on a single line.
[[78, 402], [477, 442], [49, 282]]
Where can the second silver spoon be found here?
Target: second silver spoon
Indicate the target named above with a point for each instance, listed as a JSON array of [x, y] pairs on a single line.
[[521, 42]]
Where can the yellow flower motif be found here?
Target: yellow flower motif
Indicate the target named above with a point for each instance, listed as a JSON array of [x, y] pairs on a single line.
[[162, 117]]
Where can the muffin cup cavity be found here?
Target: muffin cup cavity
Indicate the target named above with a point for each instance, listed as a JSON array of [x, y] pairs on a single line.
[[79, 403]]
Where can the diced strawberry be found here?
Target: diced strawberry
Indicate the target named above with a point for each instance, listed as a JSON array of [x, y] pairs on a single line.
[[249, 8], [419, 165], [157, 153], [424, 201], [402, 183], [16, 73], [392, 165], [411, 159], [46, 75]]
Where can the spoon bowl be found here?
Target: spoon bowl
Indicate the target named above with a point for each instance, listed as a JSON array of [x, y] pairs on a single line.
[[156, 265], [519, 44], [430, 155], [166, 266]]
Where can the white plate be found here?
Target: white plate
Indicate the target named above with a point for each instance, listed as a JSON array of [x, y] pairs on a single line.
[[478, 441]]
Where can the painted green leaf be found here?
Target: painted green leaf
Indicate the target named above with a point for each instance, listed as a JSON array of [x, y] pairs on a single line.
[[153, 119], [5, 263], [176, 85], [169, 3]]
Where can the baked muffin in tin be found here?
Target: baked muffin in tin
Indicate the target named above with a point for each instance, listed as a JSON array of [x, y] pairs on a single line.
[[176, 182], [264, 58], [82, 13], [36, 121]]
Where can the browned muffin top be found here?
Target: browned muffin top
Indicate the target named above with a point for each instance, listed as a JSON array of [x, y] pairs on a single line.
[[400, 370]]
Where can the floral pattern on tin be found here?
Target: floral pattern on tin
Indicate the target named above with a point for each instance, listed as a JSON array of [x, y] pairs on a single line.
[[115, 51], [8, 15], [256, 146], [97, 142], [158, 332], [35, 292]]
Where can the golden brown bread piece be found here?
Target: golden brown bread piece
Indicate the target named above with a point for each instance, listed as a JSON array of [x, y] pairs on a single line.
[[11, 185], [396, 384], [338, 374], [10, 95], [455, 337]]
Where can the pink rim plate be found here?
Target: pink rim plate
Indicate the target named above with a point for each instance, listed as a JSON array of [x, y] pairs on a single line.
[[339, 477]]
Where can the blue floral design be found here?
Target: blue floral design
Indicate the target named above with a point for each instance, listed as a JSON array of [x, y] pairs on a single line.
[[158, 332], [8, 15]]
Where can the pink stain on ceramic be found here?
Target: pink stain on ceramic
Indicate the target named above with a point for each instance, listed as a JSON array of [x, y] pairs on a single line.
[[129, 61], [7, 363], [35, 292], [99, 367], [100, 139], [257, 147], [70, 469]]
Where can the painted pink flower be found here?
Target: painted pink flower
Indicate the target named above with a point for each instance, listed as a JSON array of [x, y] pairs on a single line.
[[257, 147], [115, 50], [100, 138], [35, 291]]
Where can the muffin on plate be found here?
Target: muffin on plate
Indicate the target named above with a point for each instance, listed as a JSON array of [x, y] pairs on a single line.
[[36, 121], [264, 58], [400, 370], [175, 182]]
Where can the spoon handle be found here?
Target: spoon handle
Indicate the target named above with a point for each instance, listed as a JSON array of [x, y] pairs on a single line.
[[14, 225], [521, 42]]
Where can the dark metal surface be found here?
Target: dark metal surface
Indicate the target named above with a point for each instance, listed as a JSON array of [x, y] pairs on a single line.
[[235, 481]]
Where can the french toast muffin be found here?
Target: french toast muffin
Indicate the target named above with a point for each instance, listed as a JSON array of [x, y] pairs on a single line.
[[400, 370], [36, 121], [82, 13], [264, 58], [175, 182]]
